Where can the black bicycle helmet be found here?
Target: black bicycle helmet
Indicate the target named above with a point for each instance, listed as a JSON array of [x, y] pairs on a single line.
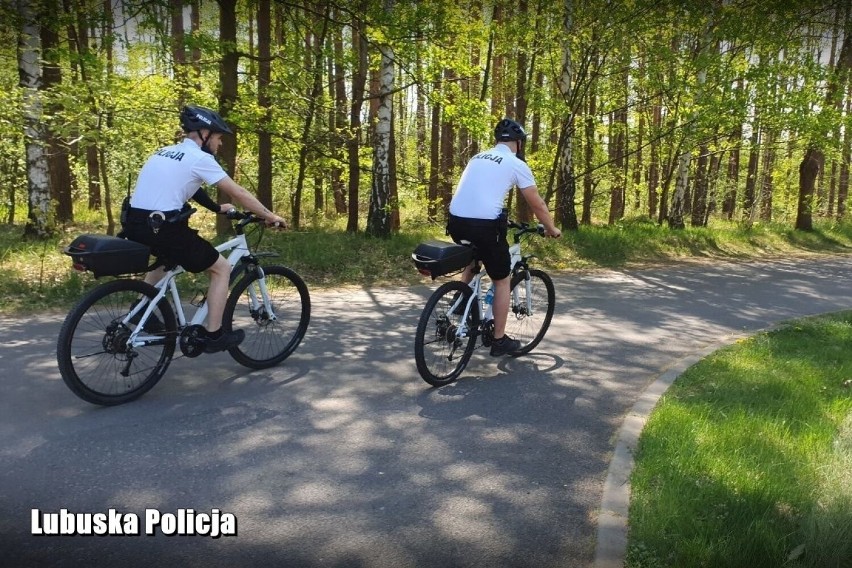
[[507, 129], [194, 118]]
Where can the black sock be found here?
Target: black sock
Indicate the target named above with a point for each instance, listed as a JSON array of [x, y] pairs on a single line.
[[215, 334]]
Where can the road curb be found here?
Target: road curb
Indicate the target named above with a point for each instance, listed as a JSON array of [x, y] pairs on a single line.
[[611, 547]]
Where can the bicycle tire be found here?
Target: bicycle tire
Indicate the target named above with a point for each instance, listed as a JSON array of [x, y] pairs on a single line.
[[435, 343], [528, 328], [268, 341], [91, 350]]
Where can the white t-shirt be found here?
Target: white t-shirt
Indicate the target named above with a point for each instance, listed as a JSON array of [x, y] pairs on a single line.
[[486, 181], [172, 176]]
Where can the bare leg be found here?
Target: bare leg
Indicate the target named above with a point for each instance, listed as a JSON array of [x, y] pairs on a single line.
[[217, 293], [501, 306], [155, 275]]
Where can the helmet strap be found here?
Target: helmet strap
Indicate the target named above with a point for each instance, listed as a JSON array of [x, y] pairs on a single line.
[[520, 153], [204, 140]]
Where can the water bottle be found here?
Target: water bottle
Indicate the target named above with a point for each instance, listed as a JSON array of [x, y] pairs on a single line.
[[489, 296]]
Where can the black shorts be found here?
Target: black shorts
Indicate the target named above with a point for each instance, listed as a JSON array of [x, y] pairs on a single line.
[[175, 243], [489, 237]]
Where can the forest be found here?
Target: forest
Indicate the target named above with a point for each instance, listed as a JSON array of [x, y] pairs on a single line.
[[360, 114]]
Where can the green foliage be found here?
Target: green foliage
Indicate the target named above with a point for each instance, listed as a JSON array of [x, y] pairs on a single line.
[[626, 54]]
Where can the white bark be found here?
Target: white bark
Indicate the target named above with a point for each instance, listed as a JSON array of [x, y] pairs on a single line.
[[29, 70], [379, 222]]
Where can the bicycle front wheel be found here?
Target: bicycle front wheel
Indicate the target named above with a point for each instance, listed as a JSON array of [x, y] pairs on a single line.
[[440, 354], [273, 330], [94, 358], [533, 300]]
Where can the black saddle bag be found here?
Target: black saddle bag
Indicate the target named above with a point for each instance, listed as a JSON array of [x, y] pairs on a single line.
[[104, 255], [435, 258]]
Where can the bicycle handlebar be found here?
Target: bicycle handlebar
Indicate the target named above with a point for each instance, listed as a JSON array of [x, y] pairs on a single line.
[[246, 217], [524, 228]]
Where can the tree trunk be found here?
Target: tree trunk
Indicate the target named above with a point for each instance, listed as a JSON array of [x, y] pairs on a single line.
[[678, 208], [81, 37], [749, 196], [843, 181], [808, 171], [588, 180], [339, 123], [434, 158], [39, 221], [62, 182], [264, 76], [766, 188], [447, 161], [699, 197], [566, 190], [713, 181], [523, 213], [814, 159], [313, 101], [729, 204], [195, 26], [359, 80], [228, 84], [654, 166], [618, 142], [379, 220], [420, 124]]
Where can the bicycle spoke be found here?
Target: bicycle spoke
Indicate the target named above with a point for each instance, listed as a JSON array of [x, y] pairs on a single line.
[[94, 353], [274, 314]]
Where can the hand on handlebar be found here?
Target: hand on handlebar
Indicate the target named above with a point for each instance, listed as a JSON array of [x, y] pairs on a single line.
[[276, 222], [555, 232]]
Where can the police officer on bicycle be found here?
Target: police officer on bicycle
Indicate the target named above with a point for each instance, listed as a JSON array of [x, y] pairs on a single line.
[[477, 215], [158, 213]]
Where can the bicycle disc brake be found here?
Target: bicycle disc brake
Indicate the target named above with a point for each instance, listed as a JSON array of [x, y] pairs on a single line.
[[192, 340]]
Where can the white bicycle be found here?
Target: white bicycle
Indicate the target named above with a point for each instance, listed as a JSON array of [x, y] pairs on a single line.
[[119, 339], [457, 313]]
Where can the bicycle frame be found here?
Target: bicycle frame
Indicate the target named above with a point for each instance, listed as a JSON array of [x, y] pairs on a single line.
[[517, 261], [239, 247]]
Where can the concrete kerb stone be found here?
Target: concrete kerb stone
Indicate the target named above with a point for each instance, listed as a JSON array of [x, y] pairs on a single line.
[[611, 547]]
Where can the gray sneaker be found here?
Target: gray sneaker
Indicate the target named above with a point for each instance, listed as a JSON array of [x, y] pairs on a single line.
[[225, 341], [504, 346]]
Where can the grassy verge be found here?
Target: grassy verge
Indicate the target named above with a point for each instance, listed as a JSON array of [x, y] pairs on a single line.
[[747, 460], [37, 275]]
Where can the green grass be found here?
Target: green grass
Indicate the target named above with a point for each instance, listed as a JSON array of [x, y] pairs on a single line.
[[37, 275], [747, 459]]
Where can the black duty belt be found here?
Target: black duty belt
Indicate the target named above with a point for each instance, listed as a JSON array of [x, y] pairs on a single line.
[[156, 218], [135, 215], [473, 222]]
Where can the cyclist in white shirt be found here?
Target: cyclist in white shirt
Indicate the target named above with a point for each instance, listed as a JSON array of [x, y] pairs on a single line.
[[477, 216], [158, 213]]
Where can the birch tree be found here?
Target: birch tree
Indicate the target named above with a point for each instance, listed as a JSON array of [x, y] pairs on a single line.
[[379, 220], [566, 214], [39, 218]]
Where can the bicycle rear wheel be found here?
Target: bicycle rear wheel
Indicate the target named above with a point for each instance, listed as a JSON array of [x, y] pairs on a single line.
[[92, 352], [270, 337], [528, 321], [441, 356]]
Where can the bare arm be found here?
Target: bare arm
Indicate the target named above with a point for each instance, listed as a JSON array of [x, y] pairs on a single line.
[[539, 208], [242, 196]]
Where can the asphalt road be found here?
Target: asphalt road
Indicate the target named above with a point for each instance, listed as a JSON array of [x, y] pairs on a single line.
[[342, 456]]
